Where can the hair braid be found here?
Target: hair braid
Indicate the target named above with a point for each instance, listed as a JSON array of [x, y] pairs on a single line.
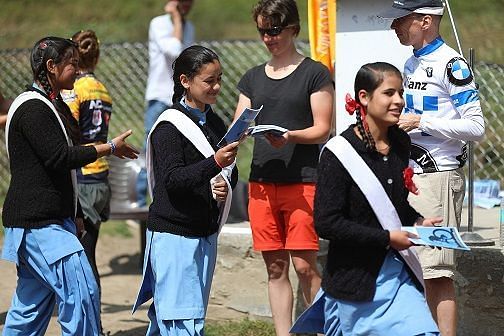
[[62, 109], [44, 81], [58, 49], [372, 143], [366, 135], [178, 91]]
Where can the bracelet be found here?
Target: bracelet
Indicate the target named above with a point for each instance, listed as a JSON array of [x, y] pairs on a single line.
[[112, 146]]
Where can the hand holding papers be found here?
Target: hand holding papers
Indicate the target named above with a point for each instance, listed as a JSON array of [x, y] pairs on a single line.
[[260, 130], [239, 127], [226, 155], [447, 237]]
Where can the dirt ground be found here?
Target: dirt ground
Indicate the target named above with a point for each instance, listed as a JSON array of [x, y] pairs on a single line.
[[238, 290], [118, 261]]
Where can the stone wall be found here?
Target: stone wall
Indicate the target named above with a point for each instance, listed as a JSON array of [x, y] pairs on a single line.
[[240, 287], [480, 292]]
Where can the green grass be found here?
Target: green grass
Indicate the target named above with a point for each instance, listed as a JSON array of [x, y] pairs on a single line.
[[244, 158], [115, 228], [480, 26], [25, 21], [242, 328]]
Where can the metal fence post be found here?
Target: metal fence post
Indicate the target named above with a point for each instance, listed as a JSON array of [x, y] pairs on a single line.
[[471, 238]]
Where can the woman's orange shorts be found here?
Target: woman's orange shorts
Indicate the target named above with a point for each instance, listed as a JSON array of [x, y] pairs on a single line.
[[281, 216]]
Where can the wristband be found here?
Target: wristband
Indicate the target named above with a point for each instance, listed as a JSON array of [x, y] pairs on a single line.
[[112, 146]]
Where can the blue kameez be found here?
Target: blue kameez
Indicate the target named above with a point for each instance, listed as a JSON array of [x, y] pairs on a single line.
[[397, 309], [178, 274], [52, 269]]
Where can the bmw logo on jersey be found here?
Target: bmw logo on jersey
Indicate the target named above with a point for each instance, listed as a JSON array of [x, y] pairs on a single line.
[[458, 72]]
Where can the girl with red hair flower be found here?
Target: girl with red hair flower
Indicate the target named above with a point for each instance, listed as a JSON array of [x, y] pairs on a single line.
[[361, 203]]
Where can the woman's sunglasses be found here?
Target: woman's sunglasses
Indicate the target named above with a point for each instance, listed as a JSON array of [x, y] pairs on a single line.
[[273, 31]]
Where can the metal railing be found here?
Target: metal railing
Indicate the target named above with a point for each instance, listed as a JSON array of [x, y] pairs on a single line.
[[123, 69]]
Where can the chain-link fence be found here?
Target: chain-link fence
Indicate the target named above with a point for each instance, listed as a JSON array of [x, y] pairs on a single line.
[[123, 69]]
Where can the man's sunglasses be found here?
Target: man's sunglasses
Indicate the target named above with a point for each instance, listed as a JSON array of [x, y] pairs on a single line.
[[273, 31]]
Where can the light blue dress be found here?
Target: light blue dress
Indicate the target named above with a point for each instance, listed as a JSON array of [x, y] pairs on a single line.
[[177, 274], [398, 309], [52, 270]]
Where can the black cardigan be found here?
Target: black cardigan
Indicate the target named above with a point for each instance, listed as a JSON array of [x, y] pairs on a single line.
[[40, 190], [182, 201], [358, 243]]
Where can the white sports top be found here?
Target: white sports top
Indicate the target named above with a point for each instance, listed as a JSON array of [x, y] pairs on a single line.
[[439, 85]]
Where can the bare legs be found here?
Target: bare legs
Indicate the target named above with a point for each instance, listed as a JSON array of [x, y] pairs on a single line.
[[279, 289], [440, 293], [279, 285]]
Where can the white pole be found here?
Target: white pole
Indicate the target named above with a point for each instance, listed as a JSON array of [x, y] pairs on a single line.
[[454, 27]]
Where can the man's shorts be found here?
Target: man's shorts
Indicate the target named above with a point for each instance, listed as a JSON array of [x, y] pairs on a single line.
[[441, 194], [281, 216]]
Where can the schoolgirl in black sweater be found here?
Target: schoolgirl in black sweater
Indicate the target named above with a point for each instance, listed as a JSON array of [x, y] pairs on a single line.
[[39, 212], [190, 180], [367, 282]]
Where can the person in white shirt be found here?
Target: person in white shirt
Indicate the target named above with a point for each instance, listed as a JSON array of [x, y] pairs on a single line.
[[4, 107], [169, 34], [442, 113]]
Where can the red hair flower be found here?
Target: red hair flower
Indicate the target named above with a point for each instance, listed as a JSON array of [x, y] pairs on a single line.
[[408, 180], [351, 105]]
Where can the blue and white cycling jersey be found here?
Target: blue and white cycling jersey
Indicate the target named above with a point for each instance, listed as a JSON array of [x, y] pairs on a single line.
[[439, 85]]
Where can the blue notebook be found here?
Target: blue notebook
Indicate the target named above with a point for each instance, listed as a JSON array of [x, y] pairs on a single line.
[[239, 127], [447, 237]]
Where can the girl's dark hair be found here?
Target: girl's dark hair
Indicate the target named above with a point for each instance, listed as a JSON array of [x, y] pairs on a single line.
[[278, 13], [369, 77], [59, 50], [189, 63], [88, 46]]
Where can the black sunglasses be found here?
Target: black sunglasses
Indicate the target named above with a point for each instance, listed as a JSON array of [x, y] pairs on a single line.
[[273, 31]]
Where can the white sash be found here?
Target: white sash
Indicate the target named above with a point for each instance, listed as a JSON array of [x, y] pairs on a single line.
[[194, 134], [371, 187], [23, 97]]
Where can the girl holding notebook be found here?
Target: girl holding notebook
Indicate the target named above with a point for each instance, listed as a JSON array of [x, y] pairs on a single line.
[[371, 273]]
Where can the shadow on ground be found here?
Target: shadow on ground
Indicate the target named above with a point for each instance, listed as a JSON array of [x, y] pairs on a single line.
[[109, 308], [124, 264], [139, 331]]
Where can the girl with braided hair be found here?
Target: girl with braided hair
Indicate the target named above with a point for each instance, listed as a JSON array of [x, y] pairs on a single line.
[[190, 180], [41, 206], [361, 202]]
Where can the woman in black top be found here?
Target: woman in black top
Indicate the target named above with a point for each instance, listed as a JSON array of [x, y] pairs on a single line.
[[41, 203], [296, 93], [368, 288]]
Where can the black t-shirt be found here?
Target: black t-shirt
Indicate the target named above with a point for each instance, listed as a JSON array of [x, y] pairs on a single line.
[[286, 103]]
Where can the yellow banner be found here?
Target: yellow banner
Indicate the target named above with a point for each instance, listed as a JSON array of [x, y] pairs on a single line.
[[322, 31]]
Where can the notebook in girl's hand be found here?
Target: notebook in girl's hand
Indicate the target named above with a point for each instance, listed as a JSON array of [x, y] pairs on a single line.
[[240, 126], [447, 237]]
